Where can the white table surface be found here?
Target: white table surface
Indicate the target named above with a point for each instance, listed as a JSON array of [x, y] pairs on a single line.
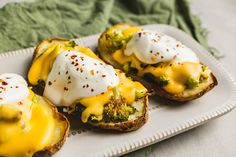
[[216, 138]]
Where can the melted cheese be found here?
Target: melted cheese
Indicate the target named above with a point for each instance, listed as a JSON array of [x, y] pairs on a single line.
[[74, 71], [29, 134], [41, 67], [126, 87], [94, 104], [177, 73], [131, 30]]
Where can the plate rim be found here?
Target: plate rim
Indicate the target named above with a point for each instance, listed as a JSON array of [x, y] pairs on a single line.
[[182, 126]]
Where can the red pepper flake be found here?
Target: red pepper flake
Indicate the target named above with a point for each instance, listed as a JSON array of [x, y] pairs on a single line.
[[4, 83], [92, 90], [20, 103], [73, 56], [68, 77], [139, 34], [170, 64], [73, 62], [103, 75], [92, 72], [82, 58], [102, 93], [49, 83], [87, 85], [65, 88]]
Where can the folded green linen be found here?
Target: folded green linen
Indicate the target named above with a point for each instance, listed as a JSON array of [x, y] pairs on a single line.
[[24, 24]]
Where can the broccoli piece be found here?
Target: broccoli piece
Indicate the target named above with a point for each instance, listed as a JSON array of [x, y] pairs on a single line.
[[71, 43], [117, 111], [115, 40], [127, 68], [160, 80], [192, 83], [95, 118]]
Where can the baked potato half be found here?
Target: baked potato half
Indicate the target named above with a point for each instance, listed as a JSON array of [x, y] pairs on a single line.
[[182, 82], [117, 113], [30, 125], [61, 130]]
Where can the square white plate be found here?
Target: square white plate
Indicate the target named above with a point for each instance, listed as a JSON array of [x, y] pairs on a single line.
[[166, 118]]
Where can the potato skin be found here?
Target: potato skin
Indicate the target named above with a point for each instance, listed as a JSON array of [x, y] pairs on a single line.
[[153, 88], [122, 126], [126, 126], [52, 149]]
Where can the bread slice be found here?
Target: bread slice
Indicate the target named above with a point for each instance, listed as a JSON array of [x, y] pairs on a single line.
[[135, 121], [187, 95], [61, 130]]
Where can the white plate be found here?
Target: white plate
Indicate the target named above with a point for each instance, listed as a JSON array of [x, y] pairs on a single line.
[[166, 118]]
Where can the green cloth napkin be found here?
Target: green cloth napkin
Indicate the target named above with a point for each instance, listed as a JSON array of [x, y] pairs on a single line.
[[23, 25]]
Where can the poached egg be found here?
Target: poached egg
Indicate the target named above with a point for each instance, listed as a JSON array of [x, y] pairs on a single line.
[[13, 88], [152, 47], [75, 75]]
